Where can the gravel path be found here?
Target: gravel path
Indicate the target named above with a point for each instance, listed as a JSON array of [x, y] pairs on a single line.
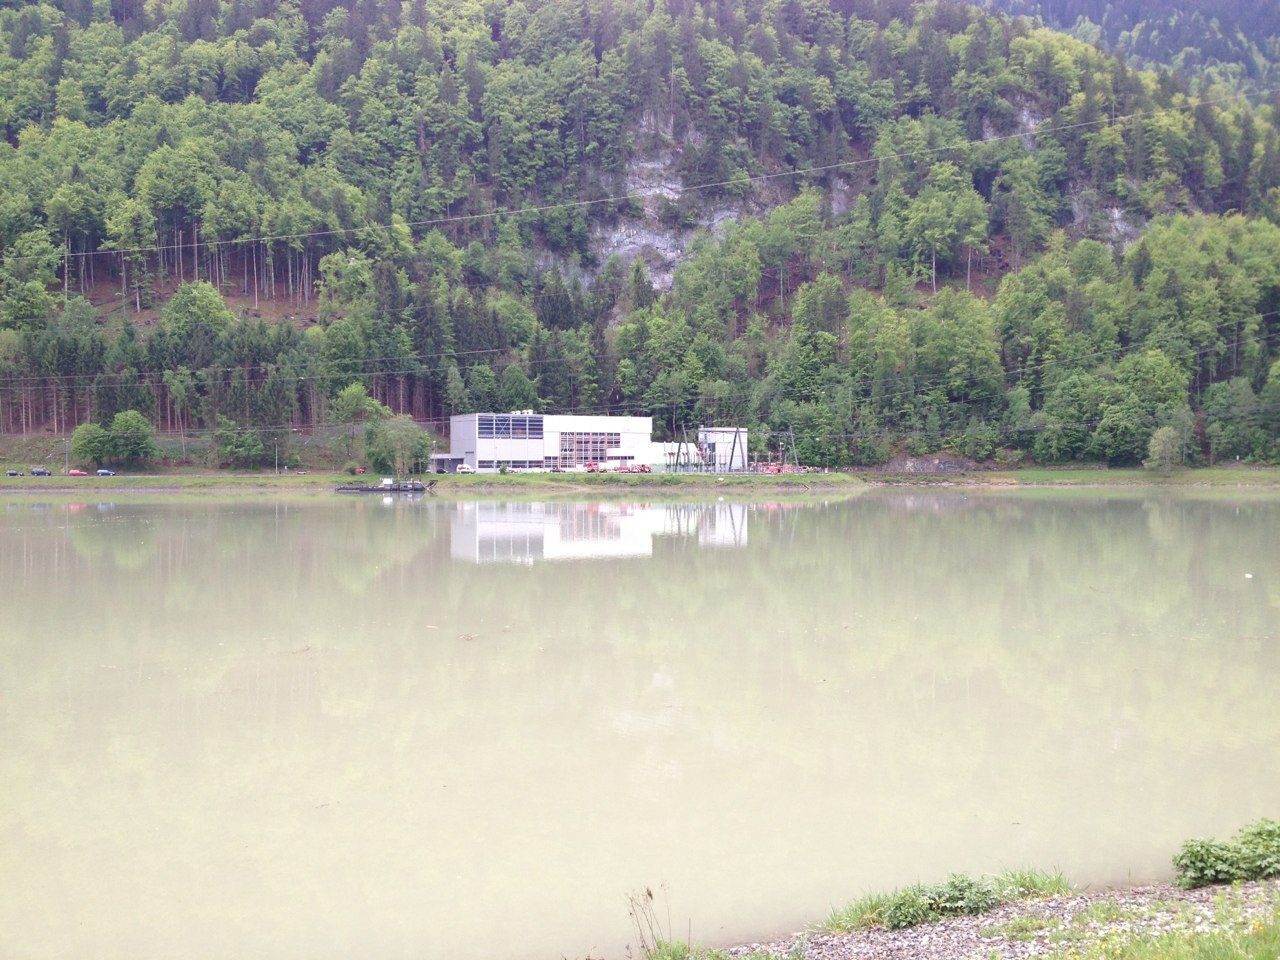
[[1040, 928]]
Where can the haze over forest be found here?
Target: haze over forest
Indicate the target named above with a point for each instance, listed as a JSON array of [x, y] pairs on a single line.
[[872, 226]]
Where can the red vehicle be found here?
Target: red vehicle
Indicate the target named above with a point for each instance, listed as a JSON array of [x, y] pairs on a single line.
[[76, 473], [360, 470]]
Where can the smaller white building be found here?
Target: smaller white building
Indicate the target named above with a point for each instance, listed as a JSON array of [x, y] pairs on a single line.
[[723, 449], [716, 450]]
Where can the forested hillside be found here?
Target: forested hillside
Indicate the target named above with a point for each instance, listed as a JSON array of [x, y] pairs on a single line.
[[859, 224], [1232, 41]]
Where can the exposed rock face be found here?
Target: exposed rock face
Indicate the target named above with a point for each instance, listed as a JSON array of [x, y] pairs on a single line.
[[1110, 224], [1028, 120], [1123, 231], [653, 182]]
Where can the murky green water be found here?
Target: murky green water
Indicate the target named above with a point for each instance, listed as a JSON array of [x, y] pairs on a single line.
[[432, 729]]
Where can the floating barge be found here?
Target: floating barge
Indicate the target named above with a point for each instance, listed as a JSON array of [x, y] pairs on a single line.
[[388, 485]]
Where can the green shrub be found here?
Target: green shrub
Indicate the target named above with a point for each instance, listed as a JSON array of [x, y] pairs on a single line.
[[91, 444], [1201, 862], [133, 439], [907, 907], [1252, 854], [961, 896], [1260, 849]]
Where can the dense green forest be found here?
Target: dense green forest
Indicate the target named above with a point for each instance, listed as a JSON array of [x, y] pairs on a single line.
[[1230, 41], [866, 225]]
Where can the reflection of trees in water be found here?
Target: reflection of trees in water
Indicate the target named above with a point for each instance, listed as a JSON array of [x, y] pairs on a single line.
[[885, 634], [920, 674], [926, 502], [129, 545]]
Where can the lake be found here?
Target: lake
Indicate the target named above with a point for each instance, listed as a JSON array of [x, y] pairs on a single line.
[[426, 728]]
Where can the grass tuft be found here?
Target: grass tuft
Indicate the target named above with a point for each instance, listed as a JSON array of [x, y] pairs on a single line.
[[1022, 929], [1029, 884], [1260, 941], [958, 895], [1101, 913], [863, 914]]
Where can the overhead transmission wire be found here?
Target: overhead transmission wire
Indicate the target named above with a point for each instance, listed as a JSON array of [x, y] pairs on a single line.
[[920, 389], [1191, 104], [262, 373], [797, 434], [916, 388], [520, 211], [570, 204]]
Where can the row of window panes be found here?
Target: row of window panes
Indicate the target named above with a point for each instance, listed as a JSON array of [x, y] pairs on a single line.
[[549, 462], [509, 427], [510, 464], [578, 448]]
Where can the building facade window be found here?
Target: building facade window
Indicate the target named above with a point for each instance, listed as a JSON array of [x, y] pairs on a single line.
[[579, 447], [509, 464], [509, 427]]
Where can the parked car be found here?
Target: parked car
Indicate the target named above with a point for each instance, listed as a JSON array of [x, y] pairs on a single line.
[[465, 468], [106, 473], [76, 473], [360, 470], [13, 473], [39, 472]]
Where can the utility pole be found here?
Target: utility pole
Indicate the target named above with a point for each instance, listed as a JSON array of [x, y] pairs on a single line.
[[66, 444], [733, 451]]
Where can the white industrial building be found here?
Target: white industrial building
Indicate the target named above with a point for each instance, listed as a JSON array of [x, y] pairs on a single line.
[[524, 440]]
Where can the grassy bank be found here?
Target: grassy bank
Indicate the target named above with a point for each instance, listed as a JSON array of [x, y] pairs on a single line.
[[256, 482], [1162, 922], [1261, 941], [1229, 476], [1033, 913], [1239, 922], [324, 480]]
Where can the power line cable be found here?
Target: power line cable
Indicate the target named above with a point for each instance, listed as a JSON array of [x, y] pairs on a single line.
[[681, 191]]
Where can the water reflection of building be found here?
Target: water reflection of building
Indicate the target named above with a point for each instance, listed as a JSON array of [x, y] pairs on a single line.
[[529, 532]]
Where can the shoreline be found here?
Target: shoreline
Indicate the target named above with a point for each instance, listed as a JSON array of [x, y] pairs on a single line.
[[797, 484], [1083, 923]]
